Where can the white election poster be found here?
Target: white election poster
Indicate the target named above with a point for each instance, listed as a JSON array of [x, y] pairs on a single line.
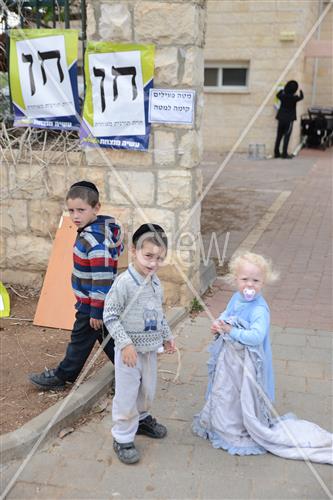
[[45, 83], [171, 106], [117, 94]]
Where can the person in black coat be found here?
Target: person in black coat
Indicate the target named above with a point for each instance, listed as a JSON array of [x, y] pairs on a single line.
[[286, 115]]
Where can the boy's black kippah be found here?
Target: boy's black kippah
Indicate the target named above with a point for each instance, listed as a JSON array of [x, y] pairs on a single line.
[[85, 184], [148, 228]]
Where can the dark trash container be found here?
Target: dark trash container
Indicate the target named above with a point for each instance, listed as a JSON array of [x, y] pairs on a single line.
[[317, 127]]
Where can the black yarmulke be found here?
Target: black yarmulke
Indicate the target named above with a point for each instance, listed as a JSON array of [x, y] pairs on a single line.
[[149, 228], [85, 184]]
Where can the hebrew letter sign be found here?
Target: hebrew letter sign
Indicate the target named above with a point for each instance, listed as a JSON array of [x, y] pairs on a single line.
[[43, 78], [118, 79]]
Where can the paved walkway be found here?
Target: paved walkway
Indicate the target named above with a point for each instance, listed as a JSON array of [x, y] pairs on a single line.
[[297, 236], [298, 239]]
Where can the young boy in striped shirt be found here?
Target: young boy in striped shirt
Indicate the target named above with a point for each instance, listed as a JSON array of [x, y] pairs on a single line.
[[97, 248]]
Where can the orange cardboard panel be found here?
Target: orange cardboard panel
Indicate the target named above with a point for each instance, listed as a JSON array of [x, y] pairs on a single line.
[[55, 308]]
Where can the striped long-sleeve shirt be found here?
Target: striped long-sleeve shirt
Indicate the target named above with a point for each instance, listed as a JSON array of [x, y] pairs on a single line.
[[96, 251]]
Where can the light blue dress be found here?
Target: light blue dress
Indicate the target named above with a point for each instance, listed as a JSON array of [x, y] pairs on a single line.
[[251, 322], [238, 416]]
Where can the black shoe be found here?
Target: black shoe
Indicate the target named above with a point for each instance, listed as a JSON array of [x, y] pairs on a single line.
[[126, 452], [287, 157], [277, 155], [47, 380], [149, 427]]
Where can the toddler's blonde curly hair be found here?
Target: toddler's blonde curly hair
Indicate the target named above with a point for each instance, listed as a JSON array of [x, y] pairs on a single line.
[[260, 261]]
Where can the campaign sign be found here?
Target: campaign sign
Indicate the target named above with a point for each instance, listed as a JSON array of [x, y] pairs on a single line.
[[43, 78], [118, 79]]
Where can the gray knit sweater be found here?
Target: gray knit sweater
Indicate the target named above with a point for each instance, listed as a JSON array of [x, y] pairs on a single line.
[[133, 312]]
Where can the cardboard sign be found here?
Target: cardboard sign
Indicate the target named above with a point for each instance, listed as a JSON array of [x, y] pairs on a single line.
[[55, 307]]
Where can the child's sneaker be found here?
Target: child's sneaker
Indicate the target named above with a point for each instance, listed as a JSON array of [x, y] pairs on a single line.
[[126, 452], [149, 427], [47, 380]]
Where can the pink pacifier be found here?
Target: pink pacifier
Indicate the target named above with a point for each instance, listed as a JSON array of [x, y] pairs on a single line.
[[249, 293]]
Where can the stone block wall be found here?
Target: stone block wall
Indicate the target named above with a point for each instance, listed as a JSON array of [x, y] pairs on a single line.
[[160, 186]]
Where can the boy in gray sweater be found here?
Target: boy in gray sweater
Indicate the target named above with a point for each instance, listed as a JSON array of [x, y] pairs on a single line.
[[134, 317]]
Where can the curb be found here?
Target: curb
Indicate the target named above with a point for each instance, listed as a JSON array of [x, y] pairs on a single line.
[[207, 276], [16, 444]]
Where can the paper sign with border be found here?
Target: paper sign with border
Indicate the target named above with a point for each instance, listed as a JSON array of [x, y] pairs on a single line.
[[171, 106]]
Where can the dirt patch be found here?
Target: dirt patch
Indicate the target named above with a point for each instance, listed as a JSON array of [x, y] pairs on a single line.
[[27, 348], [222, 211]]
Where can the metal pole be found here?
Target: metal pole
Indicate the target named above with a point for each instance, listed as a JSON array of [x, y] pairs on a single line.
[[21, 16], [66, 7], [7, 41], [54, 18], [38, 15], [84, 37], [315, 64]]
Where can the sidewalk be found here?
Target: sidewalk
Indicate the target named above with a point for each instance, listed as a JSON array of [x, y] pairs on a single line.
[[298, 238]]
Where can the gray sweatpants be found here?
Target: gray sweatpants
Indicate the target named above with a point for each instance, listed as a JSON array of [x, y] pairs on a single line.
[[135, 391]]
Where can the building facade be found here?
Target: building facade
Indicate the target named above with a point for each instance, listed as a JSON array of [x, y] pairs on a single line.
[[248, 45]]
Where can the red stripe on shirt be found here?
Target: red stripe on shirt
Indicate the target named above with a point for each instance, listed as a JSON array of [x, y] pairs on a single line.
[[97, 303], [79, 260], [102, 262], [84, 300]]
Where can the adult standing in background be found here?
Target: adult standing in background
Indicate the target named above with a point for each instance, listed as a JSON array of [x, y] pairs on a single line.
[[286, 115]]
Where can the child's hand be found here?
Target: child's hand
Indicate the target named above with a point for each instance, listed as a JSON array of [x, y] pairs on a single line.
[[96, 324], [220, 326], [129, 355], [170, 346], [216, 326], [225, 327]]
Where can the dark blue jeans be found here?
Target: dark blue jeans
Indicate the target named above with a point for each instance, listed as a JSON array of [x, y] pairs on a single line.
[[82, 341]]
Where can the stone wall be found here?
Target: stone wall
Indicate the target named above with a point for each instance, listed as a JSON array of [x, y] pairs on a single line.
[[160, 186], [250, 31]]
